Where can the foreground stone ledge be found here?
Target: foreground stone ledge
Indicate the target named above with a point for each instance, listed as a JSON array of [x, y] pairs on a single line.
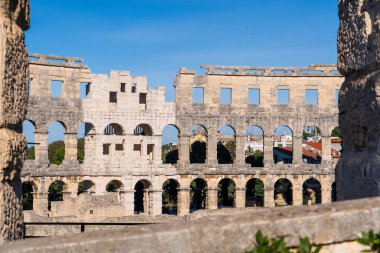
[[335, 226]]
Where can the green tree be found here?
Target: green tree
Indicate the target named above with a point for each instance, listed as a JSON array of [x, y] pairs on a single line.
[[80, 148], [372, 240], [30, 153], [55, 192], [56, 152], [169, 154], [336, 132]]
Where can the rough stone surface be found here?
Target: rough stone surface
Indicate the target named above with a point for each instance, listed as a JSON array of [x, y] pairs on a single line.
[[14, 19], [358, 171], [336, 225]]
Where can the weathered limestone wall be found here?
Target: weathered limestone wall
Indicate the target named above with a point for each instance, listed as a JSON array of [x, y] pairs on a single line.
[[336, 226], [14, 20], [358, 171]]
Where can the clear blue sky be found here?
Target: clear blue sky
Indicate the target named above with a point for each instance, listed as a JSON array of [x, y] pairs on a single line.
[[156, 38]]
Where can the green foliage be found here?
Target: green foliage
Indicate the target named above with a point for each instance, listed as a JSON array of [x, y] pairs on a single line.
[[226, 152], [55, 192], [372, 240], [56, 152], [169, 197], [255, 158], [169, 154], [80, 148], [30, 153], [336, 132], [265, 244], [226, 193]]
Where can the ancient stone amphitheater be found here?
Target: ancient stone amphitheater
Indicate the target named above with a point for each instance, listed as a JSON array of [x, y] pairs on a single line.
[[123, 173]]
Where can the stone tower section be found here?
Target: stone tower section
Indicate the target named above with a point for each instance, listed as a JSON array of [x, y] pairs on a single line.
[[358, 171], [14, 20]]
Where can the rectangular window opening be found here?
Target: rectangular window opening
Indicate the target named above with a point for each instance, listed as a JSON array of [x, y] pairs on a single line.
[[225, 96], [56, 88], [134, 88], [282, 96], [113, 97], [119, 147], [106, 149], [198, 95], [142, 99], [337, 96], [122, 87], [311, 96], [150, 149], [84, 90], [254, 96]]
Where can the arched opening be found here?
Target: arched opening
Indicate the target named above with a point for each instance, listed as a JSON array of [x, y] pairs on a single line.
[[113, 129], [254, 146], [333, 192], [28, 189], [226, 148], [86, 140], [311, 192], [169, 197], [226, 193], [143, 197], [312, 145], [56, 190], [198, 144], [56, 140], [336, 144], [283, 145], [169, 146], [254, 195], [86, 186], [28, 129], [198, 194], [283, 192], [114, 186], [143, 130]]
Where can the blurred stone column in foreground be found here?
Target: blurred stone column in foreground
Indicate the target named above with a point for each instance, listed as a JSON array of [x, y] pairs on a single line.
[[358, 170], [14, 20]]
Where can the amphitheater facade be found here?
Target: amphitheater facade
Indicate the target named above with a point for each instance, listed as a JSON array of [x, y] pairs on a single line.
[[124, 120]]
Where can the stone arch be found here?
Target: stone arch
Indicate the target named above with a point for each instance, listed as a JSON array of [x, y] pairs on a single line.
[[254, 146], [198, 144], [311, 192], [86, 186], [56, 192], [113, 129], [283, 192], [226, 193], [170, 197], [29, 188], [226, 147], [312, 145], [170, 141], [254, 193], [198, 194], [114, 186], [143, 197], [283, 145], [56, 140], [143, 130], [333, 192]]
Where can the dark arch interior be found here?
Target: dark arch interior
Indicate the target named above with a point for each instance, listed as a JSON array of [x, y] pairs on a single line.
[[169, 197], [283, 192], [198, 194], [254, 193], [226, 193]]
